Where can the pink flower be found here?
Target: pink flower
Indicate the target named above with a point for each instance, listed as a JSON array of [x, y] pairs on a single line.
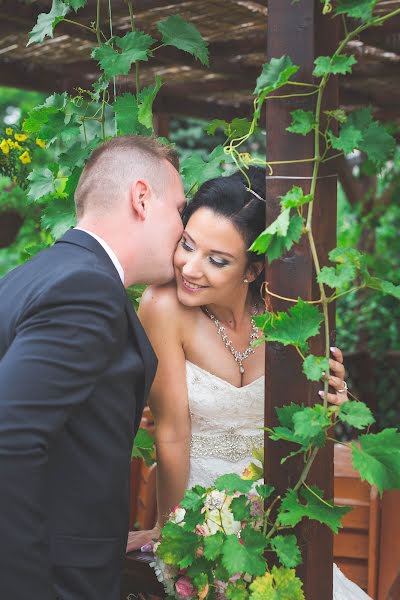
[[199, 552], [202, 530], [184, 587]]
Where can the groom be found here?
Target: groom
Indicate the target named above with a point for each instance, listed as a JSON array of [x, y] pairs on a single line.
[[75, 369]]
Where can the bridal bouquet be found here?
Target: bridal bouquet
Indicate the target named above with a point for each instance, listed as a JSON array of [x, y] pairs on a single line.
[[213, 546]]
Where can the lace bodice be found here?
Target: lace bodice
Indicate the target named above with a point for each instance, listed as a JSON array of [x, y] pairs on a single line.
[[226, 424]]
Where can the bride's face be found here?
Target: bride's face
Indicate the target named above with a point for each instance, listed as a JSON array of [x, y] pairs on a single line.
[[210, 261]]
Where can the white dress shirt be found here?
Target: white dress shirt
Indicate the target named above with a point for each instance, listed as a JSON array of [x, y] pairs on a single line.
[[109, 251]]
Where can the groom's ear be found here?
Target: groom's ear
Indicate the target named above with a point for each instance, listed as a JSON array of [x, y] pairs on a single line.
[[140, 194]]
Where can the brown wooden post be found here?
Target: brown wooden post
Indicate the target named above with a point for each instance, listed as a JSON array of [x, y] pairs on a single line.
[[303, 33]]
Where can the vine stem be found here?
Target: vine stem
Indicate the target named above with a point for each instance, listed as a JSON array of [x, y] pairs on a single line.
[[294, 300], [133, 27]]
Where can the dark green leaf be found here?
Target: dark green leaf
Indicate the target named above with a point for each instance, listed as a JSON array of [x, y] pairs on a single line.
[[287, 550], [295, 197], [127, 114], [302, 122], [177, 32], [240, 508], [275, 74], [315, 366], [292, 510], [135, 47], [192, 500], [356, 414], [231, 482], [47, 21], [358, 9], [237, 591], [213, 545], [336, 64], [378, 459], [311, 423], [264, 490], [293, 327], [42, 184], [178, 546], [58, 216], [246, 557], [147, 97], [196, 171]]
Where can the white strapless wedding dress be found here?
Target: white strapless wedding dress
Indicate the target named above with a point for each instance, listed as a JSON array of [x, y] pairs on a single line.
[[226, 425]]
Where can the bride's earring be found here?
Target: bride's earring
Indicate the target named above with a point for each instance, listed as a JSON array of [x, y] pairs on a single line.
[[245, 281]]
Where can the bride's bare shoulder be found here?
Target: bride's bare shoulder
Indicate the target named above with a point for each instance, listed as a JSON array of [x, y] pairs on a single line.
[[160, 303]]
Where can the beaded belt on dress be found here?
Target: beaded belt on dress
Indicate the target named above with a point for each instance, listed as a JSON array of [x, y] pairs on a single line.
[[231, 445]]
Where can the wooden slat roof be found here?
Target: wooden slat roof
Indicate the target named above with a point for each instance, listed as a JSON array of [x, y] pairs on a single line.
[[236, 32]]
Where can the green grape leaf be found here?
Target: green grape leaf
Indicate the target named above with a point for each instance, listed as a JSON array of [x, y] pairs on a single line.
[[178, 546], [192, 500], [278, 584], [76, 4], [302, 122], [42, 184], [356, 414], [246, 557], [235, 129], [377, 143], [362, 132], [196, 171], [77, 154], [389, 288], [337, 114], [343, 254], [287, 550], [264, 490], [292, 510], [72, 182], [280, 236], [57, 101], [146, 99], [378, 459], [199, 567], [358, 9], [315, 366], [348, 139], [294, 327], [295, 197], [311, 423], [47, 21], [127, 114], [237, 591], [213, 545], [144, 447], [177, 32], [338, 277], [232, 482], [275, 74], [336, 64], [135, 47], [37, 118], [58, 216], [287, 435], [240, 509], [285, 414]]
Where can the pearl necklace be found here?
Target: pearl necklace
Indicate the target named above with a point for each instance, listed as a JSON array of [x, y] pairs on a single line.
[[238, 356]]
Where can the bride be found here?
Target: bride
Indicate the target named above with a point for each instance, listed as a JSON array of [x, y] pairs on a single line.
[[208, 395]]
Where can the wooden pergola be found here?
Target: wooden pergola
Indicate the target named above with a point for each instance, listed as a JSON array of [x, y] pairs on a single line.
[[242, 35]]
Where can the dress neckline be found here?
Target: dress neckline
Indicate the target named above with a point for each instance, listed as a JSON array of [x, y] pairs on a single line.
[[235, 387]]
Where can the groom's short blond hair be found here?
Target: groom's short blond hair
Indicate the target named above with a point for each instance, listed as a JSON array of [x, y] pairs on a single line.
[[115, 164]]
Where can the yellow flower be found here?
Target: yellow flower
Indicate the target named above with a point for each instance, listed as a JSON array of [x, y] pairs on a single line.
[[9, 131], [41, 143], [18, 146], [4, 147], [11, 144], [20, 137], [25, 158]]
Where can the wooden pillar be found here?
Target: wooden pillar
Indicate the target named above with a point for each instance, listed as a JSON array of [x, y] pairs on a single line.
[[299, 30], [161, 124]]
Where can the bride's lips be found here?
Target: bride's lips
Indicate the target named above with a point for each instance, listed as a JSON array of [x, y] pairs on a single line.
[[190, 287]]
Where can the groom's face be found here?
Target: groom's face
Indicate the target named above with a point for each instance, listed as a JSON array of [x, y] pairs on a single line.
[[166, 226]]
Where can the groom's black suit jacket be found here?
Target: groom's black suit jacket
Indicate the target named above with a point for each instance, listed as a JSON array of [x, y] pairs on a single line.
[[75, 367]]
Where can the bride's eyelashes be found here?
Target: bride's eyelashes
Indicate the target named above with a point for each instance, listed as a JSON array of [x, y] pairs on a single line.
[[214, 261]]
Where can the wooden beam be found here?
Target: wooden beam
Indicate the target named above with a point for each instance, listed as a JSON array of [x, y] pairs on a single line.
[[301, 32]]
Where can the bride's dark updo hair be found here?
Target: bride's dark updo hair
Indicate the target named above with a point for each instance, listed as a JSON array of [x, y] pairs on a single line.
[[228, 197]]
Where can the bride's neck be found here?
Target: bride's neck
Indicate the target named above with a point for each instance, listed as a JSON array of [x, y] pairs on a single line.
[[234, 315]]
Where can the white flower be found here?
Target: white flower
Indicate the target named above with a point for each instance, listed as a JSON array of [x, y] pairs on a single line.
[[165, 574], [179, 515]]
